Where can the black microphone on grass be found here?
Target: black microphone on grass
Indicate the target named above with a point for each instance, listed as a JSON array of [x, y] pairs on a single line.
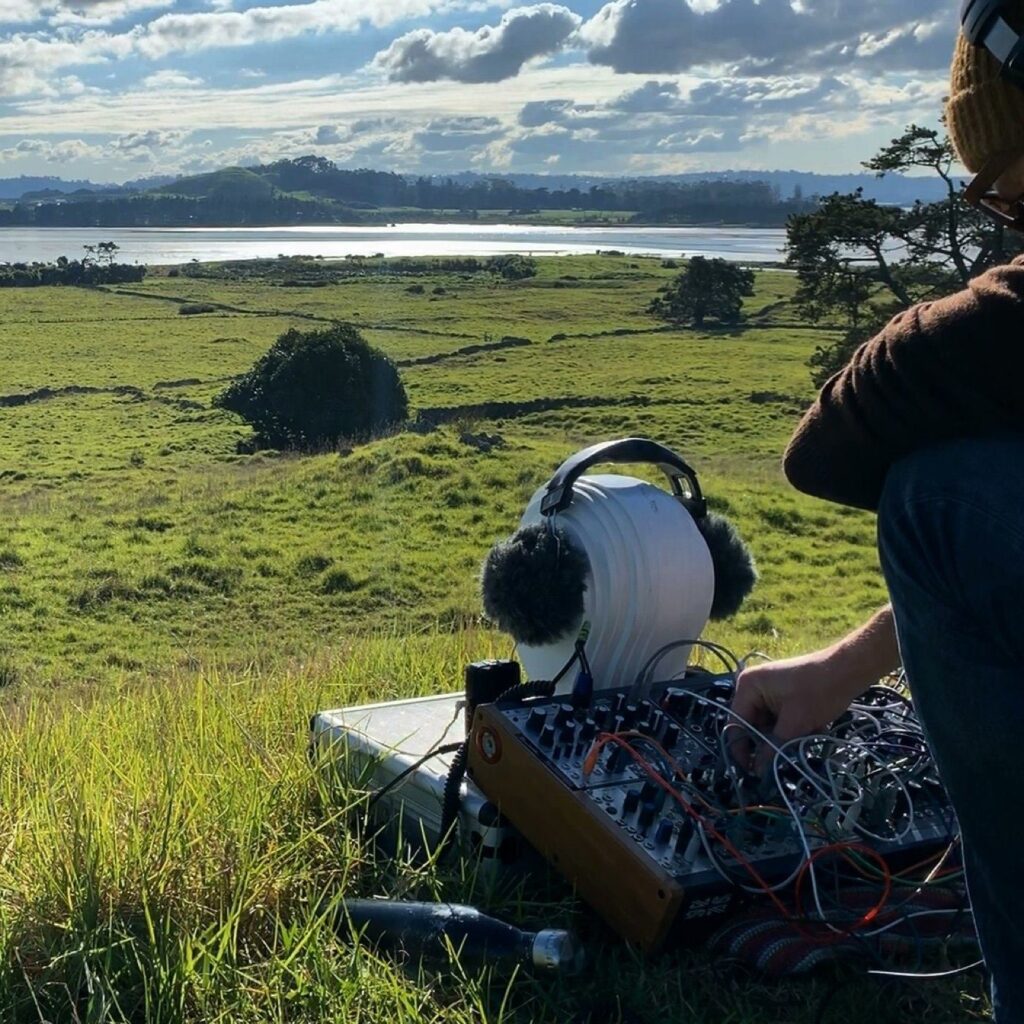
[[440, 931]]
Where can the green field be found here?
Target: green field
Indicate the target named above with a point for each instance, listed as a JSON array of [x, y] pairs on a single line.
[[173, 610]]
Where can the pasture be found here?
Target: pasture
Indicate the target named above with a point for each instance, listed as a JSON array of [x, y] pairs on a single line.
[[173, 606]]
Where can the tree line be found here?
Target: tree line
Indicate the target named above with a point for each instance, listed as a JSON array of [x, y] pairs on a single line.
[[98, 266], [313, 190], [149, 210], [647, 198]]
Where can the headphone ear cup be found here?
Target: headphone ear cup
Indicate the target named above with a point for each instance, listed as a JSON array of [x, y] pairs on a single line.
[[735, 571], [533, 584]]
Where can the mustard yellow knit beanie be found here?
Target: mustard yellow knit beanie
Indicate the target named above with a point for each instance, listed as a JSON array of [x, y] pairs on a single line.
[[984, 113]]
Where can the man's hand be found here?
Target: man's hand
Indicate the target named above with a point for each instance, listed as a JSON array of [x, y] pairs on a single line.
[[784, 700], [798, 696]]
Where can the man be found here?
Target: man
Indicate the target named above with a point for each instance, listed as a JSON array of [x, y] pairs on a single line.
[[925, 426]]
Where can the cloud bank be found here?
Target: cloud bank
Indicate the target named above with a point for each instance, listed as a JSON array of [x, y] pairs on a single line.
[[490, 54]]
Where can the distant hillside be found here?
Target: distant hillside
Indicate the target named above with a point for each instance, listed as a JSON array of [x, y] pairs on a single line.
[[893, 189], [150, 181], [231, 183], [15, 188], [314, 190]]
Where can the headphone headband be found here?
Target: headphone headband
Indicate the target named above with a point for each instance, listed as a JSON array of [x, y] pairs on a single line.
[[628, 449], [983, 25]]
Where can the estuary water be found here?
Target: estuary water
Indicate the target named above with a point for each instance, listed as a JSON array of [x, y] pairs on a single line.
[[181, 245]]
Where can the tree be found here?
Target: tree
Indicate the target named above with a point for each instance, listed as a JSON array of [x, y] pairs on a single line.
[[314, 388], [512, 266], [859, 263], [706, 288]]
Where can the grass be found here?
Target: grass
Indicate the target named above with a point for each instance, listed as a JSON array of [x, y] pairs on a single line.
[[173, 611]]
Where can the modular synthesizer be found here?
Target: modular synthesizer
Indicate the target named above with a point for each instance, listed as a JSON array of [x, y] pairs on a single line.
[[637, 798]]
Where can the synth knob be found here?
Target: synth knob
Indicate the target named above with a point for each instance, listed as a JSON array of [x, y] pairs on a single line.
[[630, 713], [654, 721], [616, 759], [676, 700], [536, 719], [631, 801], [618, 703], [618, 724], [646, 815], [568, 734], [671, 737], [722, 691], [686, 834], [564, 714], [723, 787], [547, 736], [663, 833], [588, 730]]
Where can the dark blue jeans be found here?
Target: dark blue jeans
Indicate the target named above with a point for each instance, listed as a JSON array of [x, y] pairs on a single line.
[[951, 541]]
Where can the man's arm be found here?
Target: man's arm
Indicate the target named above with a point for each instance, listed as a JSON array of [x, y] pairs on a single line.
[[801, 695], [937, 371]]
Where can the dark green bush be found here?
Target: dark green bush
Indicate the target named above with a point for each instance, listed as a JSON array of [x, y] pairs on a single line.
[[310, 565], [512, 266], [314, 388], [339, 581], [10, 559], [192, 308]]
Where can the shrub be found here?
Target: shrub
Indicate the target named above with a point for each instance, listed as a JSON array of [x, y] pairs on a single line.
[[339, 581], [192, 308], [415, 289], [311, 565], [512, 267], [9, 674], [314, 388], [10, 559]]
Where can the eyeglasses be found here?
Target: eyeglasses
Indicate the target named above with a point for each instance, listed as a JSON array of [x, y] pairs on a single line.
[[981, 194]]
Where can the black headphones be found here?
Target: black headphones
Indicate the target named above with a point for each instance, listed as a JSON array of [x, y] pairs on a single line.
[[983, 25], [628, 449]]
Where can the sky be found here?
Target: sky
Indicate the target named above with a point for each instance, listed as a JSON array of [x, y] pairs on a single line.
[[113, 90]]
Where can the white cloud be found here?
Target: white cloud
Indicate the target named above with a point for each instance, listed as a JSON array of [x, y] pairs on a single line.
[[152, 139], [170, 79], [99, 12], [490, 54], [28, 64], [329, 135], [172, 33], [74, 12], [659, 36], [28, 60], [67, 151], [459, 135]]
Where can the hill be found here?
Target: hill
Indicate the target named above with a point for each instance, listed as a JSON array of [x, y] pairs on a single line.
[[314, 190], [15, 188], [232, 183]]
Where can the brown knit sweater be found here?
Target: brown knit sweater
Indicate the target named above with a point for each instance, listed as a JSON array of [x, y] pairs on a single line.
[[938, 371]]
